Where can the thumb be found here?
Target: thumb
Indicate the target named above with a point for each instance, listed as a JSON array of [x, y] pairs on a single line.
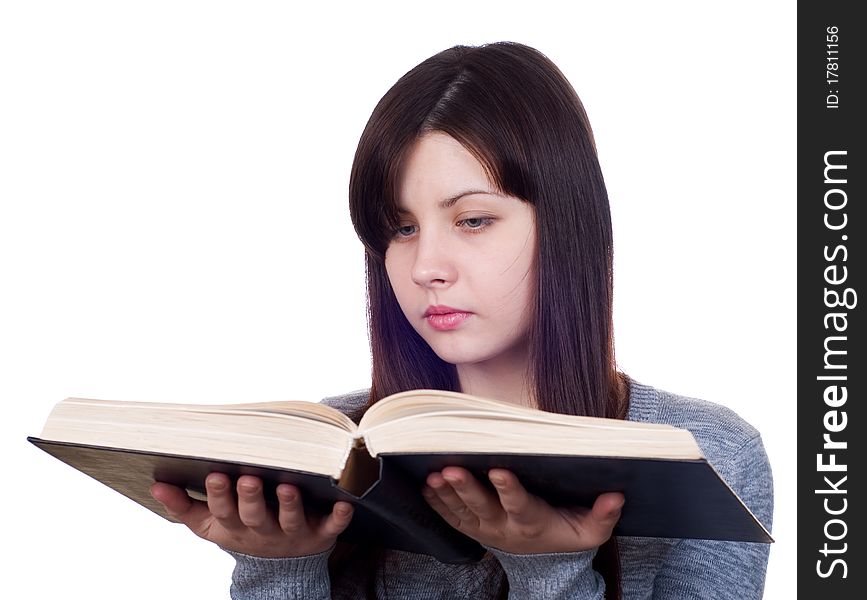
[[606, 512], [181, 507]]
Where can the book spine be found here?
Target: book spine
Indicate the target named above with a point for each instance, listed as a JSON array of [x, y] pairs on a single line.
[[415, 526]]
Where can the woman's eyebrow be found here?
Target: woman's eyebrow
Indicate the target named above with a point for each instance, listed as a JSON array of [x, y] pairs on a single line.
[[452, 200], [449, 202]]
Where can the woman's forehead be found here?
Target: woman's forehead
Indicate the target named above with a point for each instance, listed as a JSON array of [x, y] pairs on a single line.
[[438, 165]]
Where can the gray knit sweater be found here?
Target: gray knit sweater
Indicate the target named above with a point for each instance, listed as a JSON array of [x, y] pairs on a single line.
[[657, 568]]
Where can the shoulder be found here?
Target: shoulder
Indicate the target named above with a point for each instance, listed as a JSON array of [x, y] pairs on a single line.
[[719, 430], [732, 445], [351, 403]]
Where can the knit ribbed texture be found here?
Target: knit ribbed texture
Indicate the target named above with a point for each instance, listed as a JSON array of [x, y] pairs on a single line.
[[658, 568], [279, 578]]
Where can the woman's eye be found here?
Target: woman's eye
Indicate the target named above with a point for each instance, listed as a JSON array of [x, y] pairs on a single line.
[[476, 223], [404, 231]]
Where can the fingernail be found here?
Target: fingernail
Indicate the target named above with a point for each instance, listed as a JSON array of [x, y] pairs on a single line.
[[342, 510], [498, 480], [216, 484]]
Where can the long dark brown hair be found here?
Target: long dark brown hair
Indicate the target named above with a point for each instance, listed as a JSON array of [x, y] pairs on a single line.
[[513, 109]]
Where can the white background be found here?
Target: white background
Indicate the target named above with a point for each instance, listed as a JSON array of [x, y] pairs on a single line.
[[174, 227]]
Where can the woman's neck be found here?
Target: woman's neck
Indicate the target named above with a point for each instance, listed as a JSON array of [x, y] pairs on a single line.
[[505, 378]]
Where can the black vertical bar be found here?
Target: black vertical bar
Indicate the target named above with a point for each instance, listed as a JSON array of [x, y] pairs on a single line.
[[832, 66]]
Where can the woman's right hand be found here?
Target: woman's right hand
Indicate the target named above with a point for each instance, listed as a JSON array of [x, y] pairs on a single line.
[[246, 525]]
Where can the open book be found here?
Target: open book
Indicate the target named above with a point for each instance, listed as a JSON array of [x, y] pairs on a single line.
[[380, 465]]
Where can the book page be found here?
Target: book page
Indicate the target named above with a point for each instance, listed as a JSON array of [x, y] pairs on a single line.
[[438, 421], [311, 410], [430, 403], [296, 435]]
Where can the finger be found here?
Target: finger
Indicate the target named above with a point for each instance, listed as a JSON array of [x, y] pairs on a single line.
[[438, 505], [452, 501], [290, 515], [597, 524], [221, 501], [514, 498], [606, 511], [174, 499], [251, 504], [337, 521], [484, 505], [181, 507]]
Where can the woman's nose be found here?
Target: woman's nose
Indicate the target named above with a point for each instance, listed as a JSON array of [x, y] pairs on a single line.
[[433, 265]]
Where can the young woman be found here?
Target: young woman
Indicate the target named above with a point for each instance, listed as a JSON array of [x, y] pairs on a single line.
[[478, 195]]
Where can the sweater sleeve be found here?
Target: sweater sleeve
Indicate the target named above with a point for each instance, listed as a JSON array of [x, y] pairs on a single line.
[[301, 578], [551, 576], [715, 570]]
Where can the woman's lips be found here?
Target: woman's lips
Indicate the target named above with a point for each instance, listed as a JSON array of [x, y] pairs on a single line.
[[447, 321]]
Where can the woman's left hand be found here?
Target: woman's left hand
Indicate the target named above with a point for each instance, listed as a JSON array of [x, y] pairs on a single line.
[[515, 521]]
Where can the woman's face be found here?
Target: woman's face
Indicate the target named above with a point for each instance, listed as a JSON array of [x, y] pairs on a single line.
[[464, 250]]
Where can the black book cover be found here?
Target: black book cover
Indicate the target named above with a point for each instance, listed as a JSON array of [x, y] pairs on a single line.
[[664, 498], [390, 512]]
